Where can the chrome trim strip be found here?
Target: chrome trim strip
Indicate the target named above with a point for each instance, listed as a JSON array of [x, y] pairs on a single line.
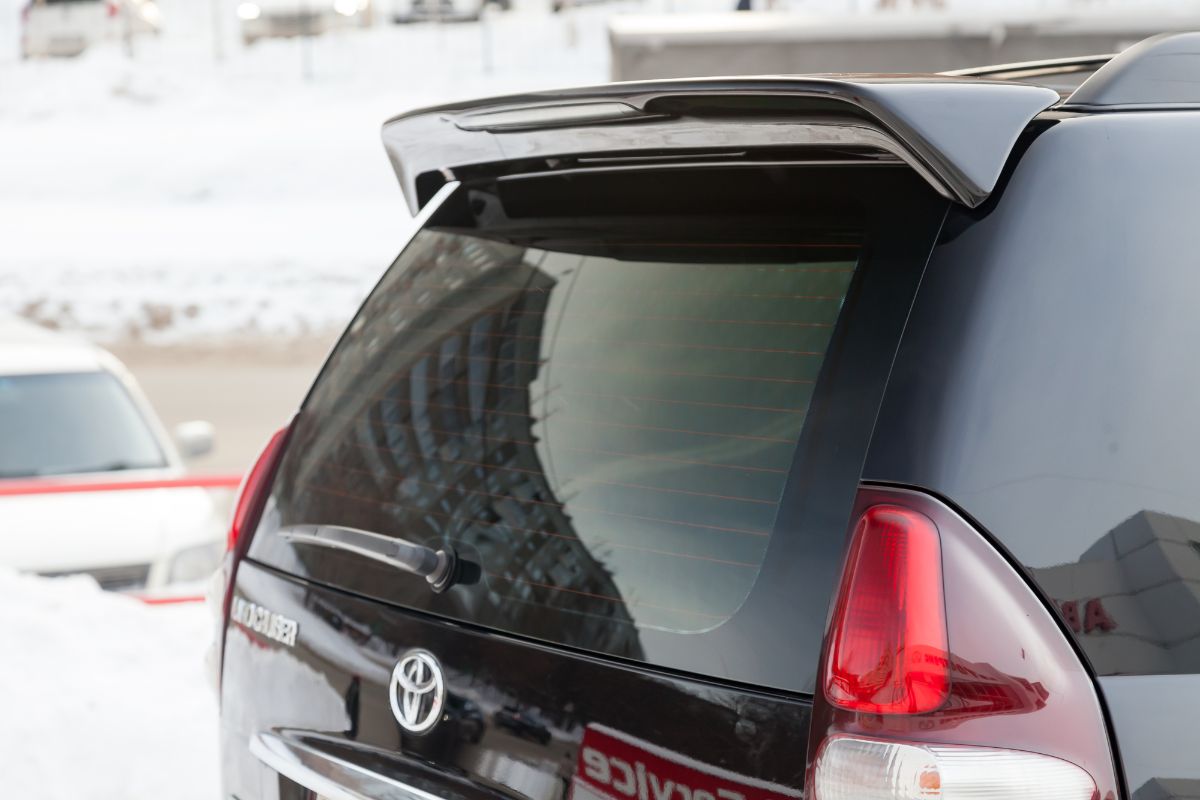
[[326, 775]]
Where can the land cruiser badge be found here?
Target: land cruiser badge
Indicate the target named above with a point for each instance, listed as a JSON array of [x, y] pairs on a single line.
[[265, 622]]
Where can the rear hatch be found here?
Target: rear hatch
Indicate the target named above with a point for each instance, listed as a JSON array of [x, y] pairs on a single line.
[[634, 397]]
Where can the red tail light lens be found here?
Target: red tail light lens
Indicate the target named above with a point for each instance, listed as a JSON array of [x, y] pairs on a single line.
[[945, 677], [888, 636], [247, 510], [252, 494]]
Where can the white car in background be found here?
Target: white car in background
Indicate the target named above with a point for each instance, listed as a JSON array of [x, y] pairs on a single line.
[[68, 27], [88, 474], [264, 19]]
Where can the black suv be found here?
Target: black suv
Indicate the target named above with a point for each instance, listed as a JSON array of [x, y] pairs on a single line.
[[751, 439]]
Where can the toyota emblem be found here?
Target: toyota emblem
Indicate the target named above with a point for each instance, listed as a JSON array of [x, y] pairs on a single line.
[[417, 691]]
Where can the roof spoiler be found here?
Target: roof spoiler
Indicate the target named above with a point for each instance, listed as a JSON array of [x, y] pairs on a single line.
[[956, 132]]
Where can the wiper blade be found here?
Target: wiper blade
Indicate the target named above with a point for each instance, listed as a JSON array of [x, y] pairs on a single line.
[[441, 568]]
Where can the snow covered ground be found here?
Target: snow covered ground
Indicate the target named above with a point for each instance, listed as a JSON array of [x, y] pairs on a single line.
[[172, 197], [101, 697]]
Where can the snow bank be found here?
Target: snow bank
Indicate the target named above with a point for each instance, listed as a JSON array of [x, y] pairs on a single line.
[[102, 697], [176, 198]]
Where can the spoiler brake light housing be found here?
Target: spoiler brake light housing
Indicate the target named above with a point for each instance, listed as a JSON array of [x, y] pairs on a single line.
[[956, 132]]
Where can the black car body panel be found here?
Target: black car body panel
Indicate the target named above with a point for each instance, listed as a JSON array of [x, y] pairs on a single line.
[[1046, 386], [1019, 397], [535, 710]]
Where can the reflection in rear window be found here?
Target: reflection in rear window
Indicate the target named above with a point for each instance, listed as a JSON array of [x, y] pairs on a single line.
[[606, 430]]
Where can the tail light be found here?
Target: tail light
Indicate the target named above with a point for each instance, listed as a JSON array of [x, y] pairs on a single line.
[[944, 675], [887, 652], [252, 494], [113, 9], [247, 511]]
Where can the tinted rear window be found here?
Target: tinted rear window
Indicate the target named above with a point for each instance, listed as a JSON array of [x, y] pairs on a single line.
[[607, 437], [604, 417]]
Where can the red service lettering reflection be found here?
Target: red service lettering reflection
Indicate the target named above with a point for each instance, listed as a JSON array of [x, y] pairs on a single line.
[[615, 766]]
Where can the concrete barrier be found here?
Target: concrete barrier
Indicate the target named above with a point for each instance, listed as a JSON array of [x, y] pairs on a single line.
[[756, 43]]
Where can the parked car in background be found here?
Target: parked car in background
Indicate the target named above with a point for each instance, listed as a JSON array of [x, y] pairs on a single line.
[[88, 474], [265, 19], [68, 27], [404, 11], [760, 438]]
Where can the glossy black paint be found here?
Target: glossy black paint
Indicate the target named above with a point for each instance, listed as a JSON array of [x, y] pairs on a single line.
[[1047, 386], [518, 713]]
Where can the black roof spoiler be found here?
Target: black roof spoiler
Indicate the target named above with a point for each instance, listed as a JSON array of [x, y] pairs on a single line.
[[956, 132]]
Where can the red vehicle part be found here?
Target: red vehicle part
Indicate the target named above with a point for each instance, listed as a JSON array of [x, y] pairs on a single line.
[[951, 679]]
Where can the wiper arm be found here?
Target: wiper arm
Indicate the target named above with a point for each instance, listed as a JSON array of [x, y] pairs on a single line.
[[441, 568]]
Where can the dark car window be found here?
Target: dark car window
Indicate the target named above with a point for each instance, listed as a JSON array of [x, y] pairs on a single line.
[[69, 423], [605, 416]]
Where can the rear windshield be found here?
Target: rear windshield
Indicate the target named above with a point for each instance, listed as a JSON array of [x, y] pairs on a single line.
[[604, 418], [604, 436]]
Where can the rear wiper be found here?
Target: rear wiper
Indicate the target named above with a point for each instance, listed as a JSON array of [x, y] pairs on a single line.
[[441, 568]]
